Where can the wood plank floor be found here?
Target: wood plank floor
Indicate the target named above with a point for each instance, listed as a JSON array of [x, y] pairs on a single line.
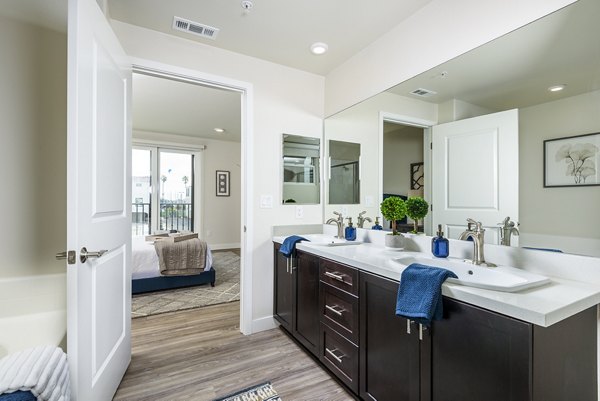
[[200, 354]]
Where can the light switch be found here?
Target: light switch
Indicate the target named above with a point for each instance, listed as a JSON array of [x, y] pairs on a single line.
[[299, 212], [266, 201]]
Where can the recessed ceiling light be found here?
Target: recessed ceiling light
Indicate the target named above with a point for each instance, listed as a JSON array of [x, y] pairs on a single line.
[[556, 88], [219, 130], [319, 48]]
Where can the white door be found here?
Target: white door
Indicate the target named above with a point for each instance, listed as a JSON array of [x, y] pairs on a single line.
[[98, 204], [475, 170]]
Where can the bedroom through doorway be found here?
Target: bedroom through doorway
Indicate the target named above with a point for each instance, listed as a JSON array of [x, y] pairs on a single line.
[[186, 179]]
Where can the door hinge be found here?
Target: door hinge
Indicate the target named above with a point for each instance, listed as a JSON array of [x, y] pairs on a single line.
[[431, 207], [431, 145]]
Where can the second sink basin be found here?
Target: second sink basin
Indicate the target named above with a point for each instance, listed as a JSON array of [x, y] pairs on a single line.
[[501, 278]]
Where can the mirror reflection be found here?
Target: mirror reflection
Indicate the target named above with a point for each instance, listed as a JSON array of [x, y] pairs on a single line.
[[516, 71], [344, 173], [301, 161]]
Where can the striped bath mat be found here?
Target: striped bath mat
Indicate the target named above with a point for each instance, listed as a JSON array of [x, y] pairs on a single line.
[[260, 392]]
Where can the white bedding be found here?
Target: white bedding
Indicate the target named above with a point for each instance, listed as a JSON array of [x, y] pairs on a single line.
[[145, 260]]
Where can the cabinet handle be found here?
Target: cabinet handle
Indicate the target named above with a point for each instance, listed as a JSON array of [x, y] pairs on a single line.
[[421, 330], [332, 308], [335, 276], [332, 353], [408, 324]]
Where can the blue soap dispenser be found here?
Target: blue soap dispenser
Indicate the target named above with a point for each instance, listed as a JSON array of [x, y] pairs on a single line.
[[350, 232], [440, 246], [377, 226]]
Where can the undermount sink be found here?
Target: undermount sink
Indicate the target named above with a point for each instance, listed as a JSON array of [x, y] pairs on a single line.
[[329, 240], [501, 278]]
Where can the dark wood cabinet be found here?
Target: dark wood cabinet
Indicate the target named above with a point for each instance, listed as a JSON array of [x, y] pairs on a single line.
[[282, 290], [296, 297], [390, 357], [346, 318], [306, 300]]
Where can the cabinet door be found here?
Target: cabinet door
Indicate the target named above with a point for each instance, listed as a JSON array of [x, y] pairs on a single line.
[[306, 301], [480, 355], [282, 297], [389, 356]]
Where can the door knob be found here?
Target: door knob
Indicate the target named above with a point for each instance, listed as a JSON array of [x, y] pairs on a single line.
[[84, 254]]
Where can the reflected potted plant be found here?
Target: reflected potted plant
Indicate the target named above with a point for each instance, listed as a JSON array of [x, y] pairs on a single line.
[[416, 208], [392, 209]]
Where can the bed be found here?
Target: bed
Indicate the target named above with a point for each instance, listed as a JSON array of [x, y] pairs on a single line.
[[145, 271]]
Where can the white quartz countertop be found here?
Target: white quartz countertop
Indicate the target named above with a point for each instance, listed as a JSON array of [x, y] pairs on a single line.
[[542, 306]]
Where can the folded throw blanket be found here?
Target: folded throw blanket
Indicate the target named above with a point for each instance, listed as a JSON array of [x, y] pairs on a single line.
[[420, 293], [181, 258], [289, 245], [44, 371]]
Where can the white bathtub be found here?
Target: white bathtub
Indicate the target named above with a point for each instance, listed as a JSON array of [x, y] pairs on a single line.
[[32, 312]]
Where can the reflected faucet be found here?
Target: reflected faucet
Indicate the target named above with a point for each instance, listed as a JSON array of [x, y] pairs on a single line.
[[361, 220], [477, 235], [340, 224], [508, 228]]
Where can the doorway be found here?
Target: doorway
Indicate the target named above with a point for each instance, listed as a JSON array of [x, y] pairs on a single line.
[[212, 147]]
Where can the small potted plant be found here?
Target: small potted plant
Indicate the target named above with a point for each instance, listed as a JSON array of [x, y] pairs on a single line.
[[392, 209], [416, 209]]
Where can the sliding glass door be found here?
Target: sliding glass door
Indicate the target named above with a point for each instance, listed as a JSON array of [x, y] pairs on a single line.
[[163, 190]]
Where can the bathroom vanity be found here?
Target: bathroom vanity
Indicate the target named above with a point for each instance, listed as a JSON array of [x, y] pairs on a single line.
[[340, 305]]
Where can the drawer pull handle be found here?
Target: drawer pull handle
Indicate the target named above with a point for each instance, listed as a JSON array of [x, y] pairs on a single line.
[[332, 353], [334, 310], [335, 276]]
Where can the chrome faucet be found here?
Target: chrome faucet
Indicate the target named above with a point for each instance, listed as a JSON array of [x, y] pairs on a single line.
[[340, 223], [507, 230], [361, 220], [477, 235]]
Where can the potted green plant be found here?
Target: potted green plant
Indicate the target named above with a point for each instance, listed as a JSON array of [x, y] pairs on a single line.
[[416, 208], [392, 209]]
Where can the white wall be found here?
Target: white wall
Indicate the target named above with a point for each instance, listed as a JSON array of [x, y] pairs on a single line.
[[361, 124], [220, 218], [455, 109], [32, 149], [401, 148], [564, 218], [285, 100], [435, 34]]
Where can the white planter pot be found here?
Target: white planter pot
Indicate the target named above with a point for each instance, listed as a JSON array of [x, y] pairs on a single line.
[[394, 241]]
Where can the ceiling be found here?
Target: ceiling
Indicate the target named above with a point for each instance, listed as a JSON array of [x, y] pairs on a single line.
[[515, 71], [181, 108], [280, 31]]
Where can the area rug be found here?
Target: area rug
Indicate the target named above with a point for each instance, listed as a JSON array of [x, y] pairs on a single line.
[[226, 289], [261, 392]]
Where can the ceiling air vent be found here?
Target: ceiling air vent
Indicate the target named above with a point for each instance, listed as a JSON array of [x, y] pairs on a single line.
[[423, 92], [195, 28]]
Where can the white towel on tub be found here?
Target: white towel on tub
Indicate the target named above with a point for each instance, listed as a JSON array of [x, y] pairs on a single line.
[[42, 370]]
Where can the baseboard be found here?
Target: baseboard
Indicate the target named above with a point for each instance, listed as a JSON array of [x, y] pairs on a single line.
[[216, 247], [264, 323]]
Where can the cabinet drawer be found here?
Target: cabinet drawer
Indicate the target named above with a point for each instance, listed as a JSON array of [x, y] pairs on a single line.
[[340, 356], [340, 276], [340, 311]]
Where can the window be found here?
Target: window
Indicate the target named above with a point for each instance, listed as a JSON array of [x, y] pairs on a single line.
[[163, 190]]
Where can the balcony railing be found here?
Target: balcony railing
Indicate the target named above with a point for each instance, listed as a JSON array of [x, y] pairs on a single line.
[[172, 216], [176, 216]]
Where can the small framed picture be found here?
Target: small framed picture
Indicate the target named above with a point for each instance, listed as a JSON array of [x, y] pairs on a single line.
[[572, 161], [222, 183]]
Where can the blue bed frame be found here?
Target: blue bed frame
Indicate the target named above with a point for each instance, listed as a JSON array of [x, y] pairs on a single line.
[[169, 282]]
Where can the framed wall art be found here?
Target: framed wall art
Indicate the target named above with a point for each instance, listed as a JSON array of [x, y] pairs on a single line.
[[572, 161], [222, 183]]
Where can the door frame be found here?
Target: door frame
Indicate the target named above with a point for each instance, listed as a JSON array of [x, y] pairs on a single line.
[[162, 70], [384, 117]]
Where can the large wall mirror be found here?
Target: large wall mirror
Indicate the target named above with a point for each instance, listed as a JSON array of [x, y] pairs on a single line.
[[520, 71], [344, 173], [300, 162]]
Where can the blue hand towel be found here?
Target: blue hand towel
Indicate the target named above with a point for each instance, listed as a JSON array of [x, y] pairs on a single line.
[[420, 293], [289, 245]]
